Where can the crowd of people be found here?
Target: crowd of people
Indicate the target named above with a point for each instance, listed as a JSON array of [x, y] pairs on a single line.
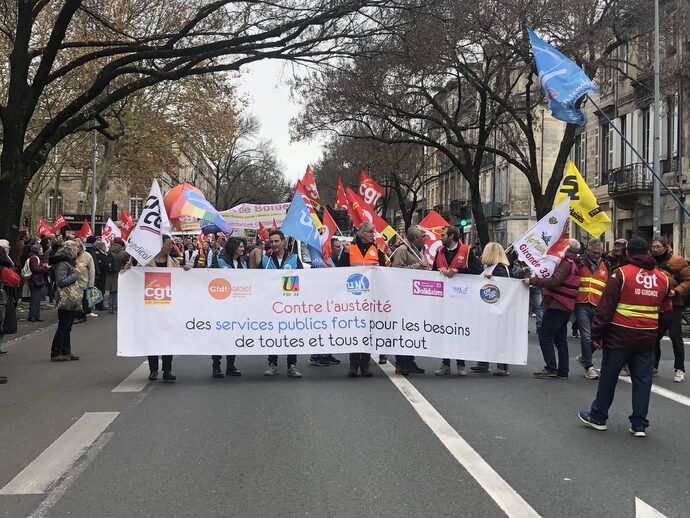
[[623, 301]]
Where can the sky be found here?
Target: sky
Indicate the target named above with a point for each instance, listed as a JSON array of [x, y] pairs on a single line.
[[264, 84]]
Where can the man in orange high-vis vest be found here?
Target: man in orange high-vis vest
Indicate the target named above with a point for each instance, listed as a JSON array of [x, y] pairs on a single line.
[[594, 273], [625, 328], [362, 252]]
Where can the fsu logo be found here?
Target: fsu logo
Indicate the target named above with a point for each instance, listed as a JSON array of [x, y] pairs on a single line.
[[157, 288], [290, 284]]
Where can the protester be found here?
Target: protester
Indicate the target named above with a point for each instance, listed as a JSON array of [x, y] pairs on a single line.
[[100, 257], [232, 258], [362, 252], [410, 255], [594, 274], [256, 254], [678, 270], [87, 278], [495, 263], [190, 254], [6, 305], [66, 274], [625, 327], [336, 250], [280, 259], [522, 271], [452, 258], [615, 257], [37, 283], [560, 293], [117, 258]]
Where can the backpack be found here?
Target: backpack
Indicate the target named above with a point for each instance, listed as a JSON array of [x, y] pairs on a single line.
[[114, 263], [26, 270]]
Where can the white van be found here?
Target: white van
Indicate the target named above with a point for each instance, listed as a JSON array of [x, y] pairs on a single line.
[[297, 247]]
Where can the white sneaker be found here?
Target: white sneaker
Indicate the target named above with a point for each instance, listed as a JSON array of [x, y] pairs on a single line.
[[462, 371], [592, 374], [638, 433], [655, 373], [93, 314], [443, 371], [579, 359], [292, 372], [679, 376], [272, 370]]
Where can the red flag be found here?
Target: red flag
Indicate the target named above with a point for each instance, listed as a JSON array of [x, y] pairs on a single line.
[[58, 223], [127, 224], [263, 233], [303, 192], [274, 225], [361, 212], [43, 228], [434, 224], [85, 230], [369, 190], [340, 198], [330, 228], [309, 184]]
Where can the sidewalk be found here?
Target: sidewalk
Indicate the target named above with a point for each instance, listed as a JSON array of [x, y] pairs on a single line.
[[25, 328]]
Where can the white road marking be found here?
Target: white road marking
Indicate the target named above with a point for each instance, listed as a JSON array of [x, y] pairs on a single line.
[[55, 460], [498, 489], [644, 510], [136, 381], [661, 391], [667, 339]]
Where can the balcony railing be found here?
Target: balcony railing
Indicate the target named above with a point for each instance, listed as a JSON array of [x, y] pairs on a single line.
[[633, 178]]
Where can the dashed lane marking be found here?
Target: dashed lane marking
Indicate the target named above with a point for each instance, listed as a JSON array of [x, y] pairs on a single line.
[[136, 381]]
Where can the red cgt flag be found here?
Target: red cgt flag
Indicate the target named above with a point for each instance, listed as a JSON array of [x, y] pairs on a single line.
[[340, 197], [433, 224], [330, 228], [127, 224], [58, 223], [274, 225], [85, 230], [43, 228], [310, 190], [263, 232], [369, 190], [361, 212]]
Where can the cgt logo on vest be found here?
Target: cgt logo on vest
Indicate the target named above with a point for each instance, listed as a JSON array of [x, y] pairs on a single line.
[[357, 284], [219, 288], [490, 293], [157, 288], [290, 286], [647, 280]]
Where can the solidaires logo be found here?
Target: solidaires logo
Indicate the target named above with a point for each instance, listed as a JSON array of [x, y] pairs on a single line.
[[357, 284], [219, 288], [290, 284], [157, 288]]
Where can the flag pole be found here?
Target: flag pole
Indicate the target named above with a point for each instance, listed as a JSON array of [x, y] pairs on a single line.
[[638, 155]]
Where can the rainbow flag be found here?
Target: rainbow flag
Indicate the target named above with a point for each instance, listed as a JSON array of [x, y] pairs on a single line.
[[194, 204]]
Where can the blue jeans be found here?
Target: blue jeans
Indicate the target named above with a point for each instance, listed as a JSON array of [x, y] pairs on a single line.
[[641, 367], [37, 295], [584, 313], [554, 333], [112, 301], [535, 305]]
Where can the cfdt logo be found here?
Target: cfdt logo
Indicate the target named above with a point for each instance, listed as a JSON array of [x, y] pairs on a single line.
[[357, 284], [157, 288], [290, 285], [219, 288], [490, 293]]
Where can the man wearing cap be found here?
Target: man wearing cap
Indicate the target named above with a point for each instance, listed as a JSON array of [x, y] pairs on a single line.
[[615, 257], [558, 301], [625, 328]]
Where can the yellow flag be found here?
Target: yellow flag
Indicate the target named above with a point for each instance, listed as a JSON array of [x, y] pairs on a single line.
[[584, 208]]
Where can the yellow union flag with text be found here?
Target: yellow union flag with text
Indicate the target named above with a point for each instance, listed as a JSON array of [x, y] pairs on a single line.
[[584, 208]]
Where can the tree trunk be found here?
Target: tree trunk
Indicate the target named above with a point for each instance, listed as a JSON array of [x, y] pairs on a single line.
[[478, 214], [106, 167], [12, 188]]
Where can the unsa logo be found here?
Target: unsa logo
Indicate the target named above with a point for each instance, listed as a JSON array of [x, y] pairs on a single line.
[[357, 284], [647, 280]]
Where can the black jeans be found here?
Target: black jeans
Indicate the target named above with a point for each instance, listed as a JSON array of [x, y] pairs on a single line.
[[446, 361], [675, 332], [61, 340], [291, 359], [37, 295], [360, 359], [167, 363], [229, 359], [403, 360], [554, 333], [502, 366]]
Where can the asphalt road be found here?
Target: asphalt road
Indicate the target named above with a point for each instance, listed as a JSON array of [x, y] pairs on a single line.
[[325, 445]]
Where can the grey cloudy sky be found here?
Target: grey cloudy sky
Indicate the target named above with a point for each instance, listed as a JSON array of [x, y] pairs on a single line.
[[264, 84]]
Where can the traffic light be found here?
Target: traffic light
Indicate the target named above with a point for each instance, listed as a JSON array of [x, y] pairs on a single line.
[[464, 217]]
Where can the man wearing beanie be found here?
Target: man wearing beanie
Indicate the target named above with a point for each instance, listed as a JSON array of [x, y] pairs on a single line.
[[625, 328]]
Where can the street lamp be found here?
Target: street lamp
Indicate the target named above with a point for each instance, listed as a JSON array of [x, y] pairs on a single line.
[[81, 198]]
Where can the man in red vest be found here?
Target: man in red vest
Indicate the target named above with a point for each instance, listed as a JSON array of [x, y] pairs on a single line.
[[454, 257], [558, 301], [594, 273], [625, 326]]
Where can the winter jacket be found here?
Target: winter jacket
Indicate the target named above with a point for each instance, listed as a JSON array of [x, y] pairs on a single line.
[[39, 273], [560, 274], [618, 337], [87, 270], [405, 257], [678, 272], [111, 277], [64, 272]]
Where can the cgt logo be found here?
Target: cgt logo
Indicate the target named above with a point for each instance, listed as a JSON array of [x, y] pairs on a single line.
[[290, 284], [490, 293], [157, 288], [219, 288], [357, 284]]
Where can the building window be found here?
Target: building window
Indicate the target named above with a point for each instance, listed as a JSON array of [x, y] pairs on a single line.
[[646, 133], [579, 153], [136, 205], [53, 203], [597, 164], [624, 131], [501, 185], [606, 153]]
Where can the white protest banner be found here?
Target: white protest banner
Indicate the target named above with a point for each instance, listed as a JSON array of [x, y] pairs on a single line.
[[247, 216], [146, 239], [110, 232], [321, 311], [543, 246]]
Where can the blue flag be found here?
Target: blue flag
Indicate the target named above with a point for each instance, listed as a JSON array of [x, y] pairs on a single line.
[[563, 82], [299, 224]]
